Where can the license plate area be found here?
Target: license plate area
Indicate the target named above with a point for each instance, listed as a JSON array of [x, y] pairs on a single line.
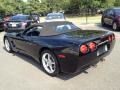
[[13, 24], [102, 50]]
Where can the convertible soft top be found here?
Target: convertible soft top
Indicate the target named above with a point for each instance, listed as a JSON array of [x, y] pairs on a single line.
[[49, 28]]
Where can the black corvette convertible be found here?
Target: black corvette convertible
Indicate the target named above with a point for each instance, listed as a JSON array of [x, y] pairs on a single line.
[[61, 46]]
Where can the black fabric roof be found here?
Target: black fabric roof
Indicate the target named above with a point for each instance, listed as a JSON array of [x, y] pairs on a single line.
[[49, 28]]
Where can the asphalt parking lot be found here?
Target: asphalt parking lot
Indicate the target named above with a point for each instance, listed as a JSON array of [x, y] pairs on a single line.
[[20, 72]]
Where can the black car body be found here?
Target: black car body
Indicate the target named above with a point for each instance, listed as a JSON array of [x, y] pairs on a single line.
[[72, 47], [111, 17], [20, 22]]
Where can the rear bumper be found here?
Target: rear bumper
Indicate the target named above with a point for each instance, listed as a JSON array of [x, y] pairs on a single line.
[[74, 63]]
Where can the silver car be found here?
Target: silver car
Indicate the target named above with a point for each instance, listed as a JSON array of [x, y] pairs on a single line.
[[51, 17]]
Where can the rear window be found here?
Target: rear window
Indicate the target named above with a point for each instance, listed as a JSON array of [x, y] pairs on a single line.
[[55, 16], [19, 18]]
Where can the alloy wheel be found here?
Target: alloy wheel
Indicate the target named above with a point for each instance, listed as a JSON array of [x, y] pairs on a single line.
[[48, 63], [7, 45]]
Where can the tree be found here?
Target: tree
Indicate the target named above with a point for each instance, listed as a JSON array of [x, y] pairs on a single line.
[[35, 6], [117, 3], [11, 6]]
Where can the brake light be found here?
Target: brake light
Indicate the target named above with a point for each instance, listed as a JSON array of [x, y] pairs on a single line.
[[24, 24], [109, 38], [92, 46], [113, 37], [84, 49]]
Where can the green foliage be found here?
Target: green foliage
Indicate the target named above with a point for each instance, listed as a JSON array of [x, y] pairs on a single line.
[[117, 3], [11, 6], [18, 6]]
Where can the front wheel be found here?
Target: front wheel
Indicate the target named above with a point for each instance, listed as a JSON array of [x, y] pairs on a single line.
[[49, 63], [7, 45]]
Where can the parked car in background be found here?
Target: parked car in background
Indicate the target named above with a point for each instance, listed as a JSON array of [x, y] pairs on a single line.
[[19, 22], [61, 46], [1, 23], [36, 17], [111, 17], [51, 17]]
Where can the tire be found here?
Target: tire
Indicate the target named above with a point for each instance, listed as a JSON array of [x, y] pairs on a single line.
[[114, 26], [103, 23], [49, 63], [7, 45]]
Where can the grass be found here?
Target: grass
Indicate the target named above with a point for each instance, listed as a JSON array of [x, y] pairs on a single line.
[[81, 20]]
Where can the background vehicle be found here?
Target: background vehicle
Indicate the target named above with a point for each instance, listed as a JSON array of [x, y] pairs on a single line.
[[55, 17], [19, 22], [1, 24], [111, 17], [36, 17], [61, 46]]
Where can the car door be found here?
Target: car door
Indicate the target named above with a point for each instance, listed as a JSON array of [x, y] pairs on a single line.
[[31, 45], [109, 17], [28, 42]]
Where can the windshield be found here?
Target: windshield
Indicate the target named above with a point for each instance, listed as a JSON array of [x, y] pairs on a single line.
[[66, 28], [55, 16], [117, 11], [19, 18]]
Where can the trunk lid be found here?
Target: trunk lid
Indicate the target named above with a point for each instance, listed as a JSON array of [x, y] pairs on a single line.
[[83, 35]]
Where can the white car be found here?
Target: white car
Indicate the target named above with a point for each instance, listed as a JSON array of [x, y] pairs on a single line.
[[51, 17]]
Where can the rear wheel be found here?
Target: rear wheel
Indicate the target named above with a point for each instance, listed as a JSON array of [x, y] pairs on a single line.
[[115, 26], [7, 45], [49, 63]]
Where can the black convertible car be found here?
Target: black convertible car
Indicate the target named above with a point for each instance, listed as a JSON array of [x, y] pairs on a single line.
[[61, 46]]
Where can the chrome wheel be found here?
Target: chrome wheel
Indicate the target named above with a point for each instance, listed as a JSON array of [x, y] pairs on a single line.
[[114, 26], [7, 45], [48, 63]]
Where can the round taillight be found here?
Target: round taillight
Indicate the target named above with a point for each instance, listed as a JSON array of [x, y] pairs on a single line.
[[113, 37], [84, 49], [109, 38], [92, 46]]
